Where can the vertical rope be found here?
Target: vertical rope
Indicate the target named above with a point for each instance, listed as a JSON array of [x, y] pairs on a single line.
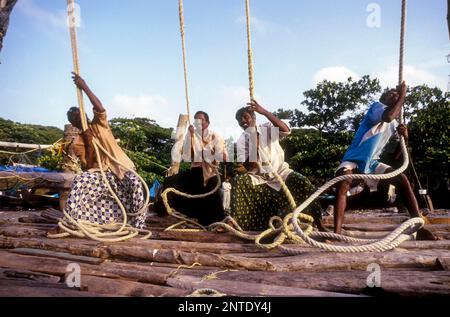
[[180, 9], [76, 62], [250, 53], [402, 49], [107, 232]]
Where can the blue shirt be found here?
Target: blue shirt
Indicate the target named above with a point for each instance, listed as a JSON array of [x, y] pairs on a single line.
[[370, 139]]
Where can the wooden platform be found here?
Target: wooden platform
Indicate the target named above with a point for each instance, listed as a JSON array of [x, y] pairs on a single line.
[[177, 264]]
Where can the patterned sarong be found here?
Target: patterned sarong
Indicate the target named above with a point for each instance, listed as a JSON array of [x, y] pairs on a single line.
[[90, 199]]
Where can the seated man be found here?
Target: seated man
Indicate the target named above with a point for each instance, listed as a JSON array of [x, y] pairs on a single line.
[[89, 198], [362, 156], [256, 196], [205, 149]]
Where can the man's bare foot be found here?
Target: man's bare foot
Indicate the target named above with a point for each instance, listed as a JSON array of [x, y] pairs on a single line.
[[426, 235]]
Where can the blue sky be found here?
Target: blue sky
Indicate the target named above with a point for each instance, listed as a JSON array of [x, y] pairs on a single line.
[[130, 54]]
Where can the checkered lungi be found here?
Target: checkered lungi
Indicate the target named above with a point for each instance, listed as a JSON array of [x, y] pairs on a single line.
[[90, 200]]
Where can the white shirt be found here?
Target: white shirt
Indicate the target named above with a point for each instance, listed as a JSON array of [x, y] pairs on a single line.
[[269, 157], [209, 151]]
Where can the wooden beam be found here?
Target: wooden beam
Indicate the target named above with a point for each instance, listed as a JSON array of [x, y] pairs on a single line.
[[25, 145]]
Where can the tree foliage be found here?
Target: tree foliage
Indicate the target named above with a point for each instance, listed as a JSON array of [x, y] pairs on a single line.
[[430, 137], [28, 133], [333, 106]]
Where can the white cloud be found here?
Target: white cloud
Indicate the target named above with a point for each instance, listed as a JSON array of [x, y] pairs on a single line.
[[334, 73], [412, 75], [256, 24], [155, 107], [43, 17], [264, 27], [225, 102]]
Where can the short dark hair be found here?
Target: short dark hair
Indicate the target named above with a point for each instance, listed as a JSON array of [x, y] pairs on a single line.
[[384, 94], [72, 110], [203, 113], [243, 110]]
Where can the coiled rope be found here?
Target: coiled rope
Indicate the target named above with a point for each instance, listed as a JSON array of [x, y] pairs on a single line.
[[401, 234]]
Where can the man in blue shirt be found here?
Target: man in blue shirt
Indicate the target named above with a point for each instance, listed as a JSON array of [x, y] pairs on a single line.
[[363, 154]]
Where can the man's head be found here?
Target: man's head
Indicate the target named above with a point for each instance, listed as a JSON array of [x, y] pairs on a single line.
[[204, 117], [390, 97], [73, 115], [246, 118]]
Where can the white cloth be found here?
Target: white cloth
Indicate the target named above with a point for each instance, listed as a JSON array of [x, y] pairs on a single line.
[[269, 156], [209, 150], [225, 193], [372, 183]]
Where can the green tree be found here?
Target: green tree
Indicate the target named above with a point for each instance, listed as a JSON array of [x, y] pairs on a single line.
[[429, 110], [146, 143], [28, 133], [144, 135], [334, 106]]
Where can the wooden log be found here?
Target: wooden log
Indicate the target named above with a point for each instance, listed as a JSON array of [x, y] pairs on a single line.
[[322, 261], [212, 246], [128, 288], [404, 283], [10, 288], [36, 219], [444, 262], [72, 246], [22, 231], [390, 228], [52, 180], [144, 273], [196, 236], [13, 216], [12, 273], [237, 288], [407, 283], [58, 255], [25, 145], [371, 219], [52, 214], [310, 260]]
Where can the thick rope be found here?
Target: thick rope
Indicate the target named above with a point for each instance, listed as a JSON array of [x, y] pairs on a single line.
[[402, 233], [250, 52], [402, 50], [389, 242], [183, 47], [206, 292], [171, 212], [112, 232]]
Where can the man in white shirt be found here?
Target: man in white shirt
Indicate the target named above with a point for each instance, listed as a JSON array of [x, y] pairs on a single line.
[[257, 196]]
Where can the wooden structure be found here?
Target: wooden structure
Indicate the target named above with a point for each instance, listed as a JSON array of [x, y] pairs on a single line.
[[178, 263]]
